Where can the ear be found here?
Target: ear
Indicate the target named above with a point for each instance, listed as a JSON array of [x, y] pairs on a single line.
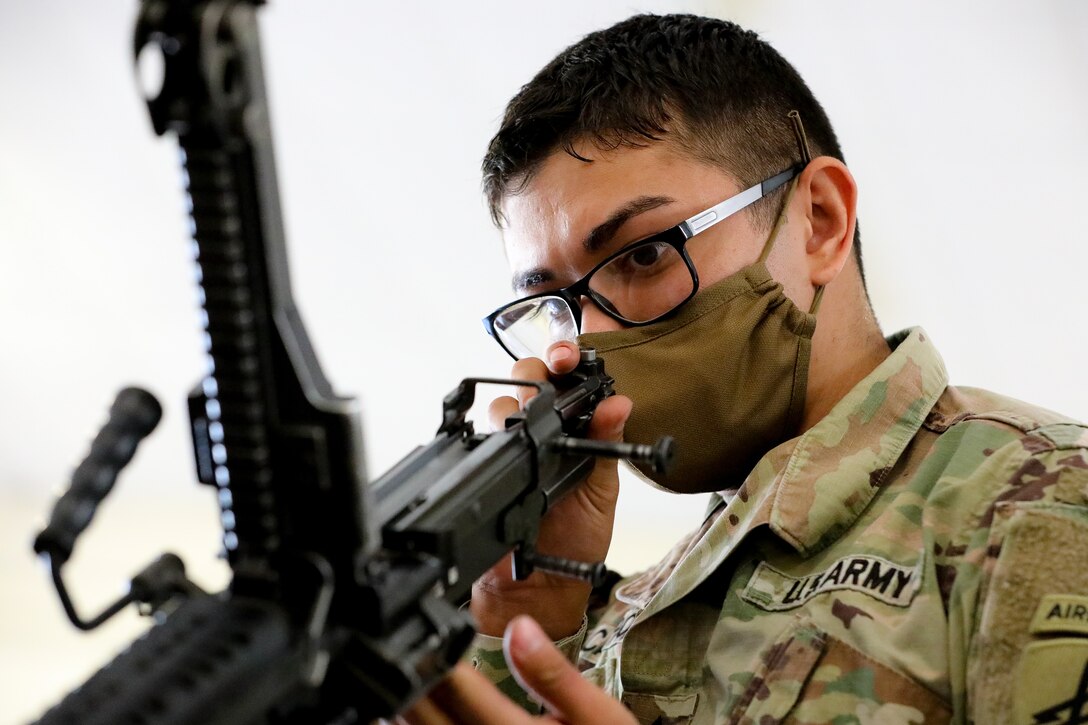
[[829, 196]]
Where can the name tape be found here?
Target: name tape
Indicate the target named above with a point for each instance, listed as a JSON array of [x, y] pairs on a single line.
[[891, 583]]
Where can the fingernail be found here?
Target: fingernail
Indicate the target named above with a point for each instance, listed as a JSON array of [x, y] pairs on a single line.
[[530, 637], [560, 354]]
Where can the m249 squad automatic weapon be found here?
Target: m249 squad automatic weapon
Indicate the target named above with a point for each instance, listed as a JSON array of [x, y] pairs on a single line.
[[344, 599]]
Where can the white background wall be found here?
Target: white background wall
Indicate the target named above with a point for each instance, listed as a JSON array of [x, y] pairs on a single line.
[[963, 122]]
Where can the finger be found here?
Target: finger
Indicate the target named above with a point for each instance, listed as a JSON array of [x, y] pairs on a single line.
[[543, 670], [609, 419], [601, 487], [530, 368], [607, 423], [469, 697], [562, 357], [424, 712], [499, 410]]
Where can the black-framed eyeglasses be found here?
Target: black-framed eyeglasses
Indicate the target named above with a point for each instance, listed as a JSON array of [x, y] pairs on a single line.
[[640, 284]]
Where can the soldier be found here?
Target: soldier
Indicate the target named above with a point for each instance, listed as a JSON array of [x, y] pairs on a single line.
[[881, 546]]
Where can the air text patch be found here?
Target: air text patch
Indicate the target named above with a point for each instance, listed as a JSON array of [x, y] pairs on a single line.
[[1061, 613]]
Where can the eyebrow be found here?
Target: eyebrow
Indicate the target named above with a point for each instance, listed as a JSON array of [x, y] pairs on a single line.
[[597, 239]]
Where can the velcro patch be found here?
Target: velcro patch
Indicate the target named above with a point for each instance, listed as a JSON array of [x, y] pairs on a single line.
[[1061, 613], [891, 583], [1052, 682]]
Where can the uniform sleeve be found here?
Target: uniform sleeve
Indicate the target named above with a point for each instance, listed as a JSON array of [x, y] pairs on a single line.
[[486, 655], [1027, 660]]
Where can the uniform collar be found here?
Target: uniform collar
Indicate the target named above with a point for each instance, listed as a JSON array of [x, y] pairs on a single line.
[[839, 464], [810, 489]]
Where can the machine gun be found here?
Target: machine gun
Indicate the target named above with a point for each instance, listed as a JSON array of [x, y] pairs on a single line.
[[343, 603]]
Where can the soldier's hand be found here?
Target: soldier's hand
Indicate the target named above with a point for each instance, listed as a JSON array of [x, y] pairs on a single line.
[[466, 696], [578, 527]]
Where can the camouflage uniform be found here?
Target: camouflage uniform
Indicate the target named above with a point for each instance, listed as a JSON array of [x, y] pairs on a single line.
[[920, 555]]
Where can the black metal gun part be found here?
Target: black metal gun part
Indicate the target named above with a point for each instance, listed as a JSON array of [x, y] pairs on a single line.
[[344, 600]]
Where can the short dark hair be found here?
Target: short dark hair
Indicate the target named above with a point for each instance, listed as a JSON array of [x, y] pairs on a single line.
[[717, 91]]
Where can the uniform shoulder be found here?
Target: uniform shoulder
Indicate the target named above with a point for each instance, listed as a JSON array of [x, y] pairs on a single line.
[[1017, 428], [1023, 471], [990, 450], [959, 404]]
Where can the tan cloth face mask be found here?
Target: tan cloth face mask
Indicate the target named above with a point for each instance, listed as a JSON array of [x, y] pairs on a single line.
[[725, 377]]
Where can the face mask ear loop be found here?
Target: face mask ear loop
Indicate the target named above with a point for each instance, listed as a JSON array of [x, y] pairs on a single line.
[[806, 157], [778, 223], [799, 134]]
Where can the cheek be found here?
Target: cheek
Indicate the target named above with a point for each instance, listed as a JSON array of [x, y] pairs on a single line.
[[593, 320], [723, 254], [787, 264]]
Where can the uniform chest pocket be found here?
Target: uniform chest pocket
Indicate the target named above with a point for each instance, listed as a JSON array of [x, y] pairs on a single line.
[[661, 709], [807, 676], [662, 665]]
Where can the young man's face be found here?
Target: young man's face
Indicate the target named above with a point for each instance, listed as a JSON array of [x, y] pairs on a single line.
[[573, 214]]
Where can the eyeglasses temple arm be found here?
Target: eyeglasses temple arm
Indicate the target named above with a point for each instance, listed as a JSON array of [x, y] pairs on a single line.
[[778, 180], [719, 212], [704, 220]]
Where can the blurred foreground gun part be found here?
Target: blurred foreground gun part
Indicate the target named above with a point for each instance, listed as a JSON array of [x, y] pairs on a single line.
[[344, 600]]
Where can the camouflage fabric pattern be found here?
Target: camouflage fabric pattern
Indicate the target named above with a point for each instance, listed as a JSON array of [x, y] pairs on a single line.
[[491, 662], [851, 578]]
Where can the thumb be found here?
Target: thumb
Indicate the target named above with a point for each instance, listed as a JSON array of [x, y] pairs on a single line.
[[609, 418], [543, 671]]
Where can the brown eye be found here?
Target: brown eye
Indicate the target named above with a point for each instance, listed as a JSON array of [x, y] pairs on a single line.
[[643, 282], [646, 255], [644, 260]]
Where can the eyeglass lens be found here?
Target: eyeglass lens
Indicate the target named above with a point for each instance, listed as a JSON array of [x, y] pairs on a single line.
[[640, 284], [529, 327]]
